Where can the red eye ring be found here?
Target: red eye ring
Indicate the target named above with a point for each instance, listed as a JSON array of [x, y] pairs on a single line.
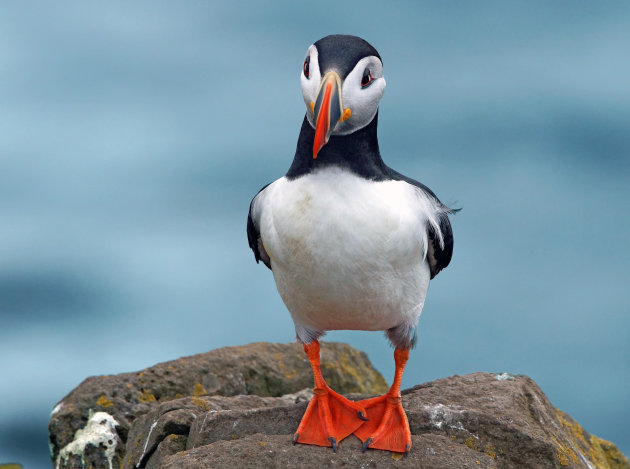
[[367, 78], [306, 67]]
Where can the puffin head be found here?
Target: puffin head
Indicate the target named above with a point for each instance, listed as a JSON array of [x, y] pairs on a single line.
[[342, 84]]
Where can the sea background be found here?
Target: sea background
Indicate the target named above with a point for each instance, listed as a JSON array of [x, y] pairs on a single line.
[[133, 136]]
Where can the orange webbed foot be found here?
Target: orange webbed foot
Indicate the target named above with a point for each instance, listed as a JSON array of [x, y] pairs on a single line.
[[388, 427], [329, 418]]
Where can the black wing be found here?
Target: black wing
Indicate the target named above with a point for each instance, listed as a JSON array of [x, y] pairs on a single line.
[[253, 237], [439, 255]]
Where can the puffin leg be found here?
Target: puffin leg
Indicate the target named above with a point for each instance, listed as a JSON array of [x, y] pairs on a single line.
[[388, 427], [329, 417]]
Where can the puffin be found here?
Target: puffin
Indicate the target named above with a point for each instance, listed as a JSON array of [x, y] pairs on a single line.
[[352, 244]]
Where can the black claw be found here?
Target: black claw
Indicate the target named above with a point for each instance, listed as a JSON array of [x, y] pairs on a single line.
[[366, 444], [295, 438], [362, 417], [334, 443]]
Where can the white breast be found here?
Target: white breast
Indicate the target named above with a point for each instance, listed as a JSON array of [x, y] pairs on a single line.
[[346, 253]]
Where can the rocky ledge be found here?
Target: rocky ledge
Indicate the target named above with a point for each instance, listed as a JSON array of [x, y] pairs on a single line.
[[239, 407]]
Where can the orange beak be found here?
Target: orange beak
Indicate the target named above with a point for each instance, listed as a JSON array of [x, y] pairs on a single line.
[[328, 110]]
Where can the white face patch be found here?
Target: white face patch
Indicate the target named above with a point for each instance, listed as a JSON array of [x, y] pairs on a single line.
[[310, 85], [362, 101]]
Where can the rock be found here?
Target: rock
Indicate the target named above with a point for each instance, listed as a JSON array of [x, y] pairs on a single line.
[[508, 418], [202, 419], [96, 442], [477, 420], [261, 369], [258, 450], [480, 420]]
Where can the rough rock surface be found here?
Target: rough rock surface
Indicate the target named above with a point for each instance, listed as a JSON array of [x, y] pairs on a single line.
[[261, 369], [258, 450], [480, 420]]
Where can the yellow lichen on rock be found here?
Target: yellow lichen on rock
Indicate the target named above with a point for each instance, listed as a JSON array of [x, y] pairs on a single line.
[[146, 397], [104, 402], [470, 443], [278, 359], [348, 368], [490, 451], [564, 452], [601, 453], [199, 390], [606, 455], [572, 426], [200, 403], [562, 457]]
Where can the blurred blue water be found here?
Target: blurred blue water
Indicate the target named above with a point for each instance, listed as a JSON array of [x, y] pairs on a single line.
[[135, 134]]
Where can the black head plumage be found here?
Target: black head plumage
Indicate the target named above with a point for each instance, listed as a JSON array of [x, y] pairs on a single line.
[[341, 52]]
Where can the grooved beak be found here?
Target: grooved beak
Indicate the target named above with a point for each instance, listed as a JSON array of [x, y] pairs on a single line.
[[328, 110]]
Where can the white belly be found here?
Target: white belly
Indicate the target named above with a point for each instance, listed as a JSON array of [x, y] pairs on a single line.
[[346, 253]]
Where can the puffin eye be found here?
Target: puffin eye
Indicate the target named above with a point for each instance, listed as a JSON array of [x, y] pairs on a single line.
[[367, 78], [307, 62]]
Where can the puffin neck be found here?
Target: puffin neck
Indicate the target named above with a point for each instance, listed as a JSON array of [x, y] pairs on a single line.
[[357, 152]]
